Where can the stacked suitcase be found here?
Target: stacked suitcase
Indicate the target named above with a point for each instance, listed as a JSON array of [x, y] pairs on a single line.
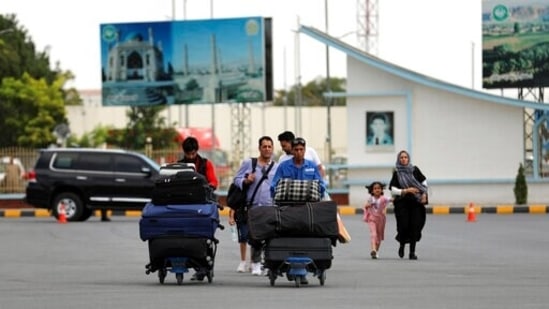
[[180, 224], [299, 234]]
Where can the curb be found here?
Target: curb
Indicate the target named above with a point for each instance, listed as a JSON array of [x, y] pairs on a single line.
[[343, 210]]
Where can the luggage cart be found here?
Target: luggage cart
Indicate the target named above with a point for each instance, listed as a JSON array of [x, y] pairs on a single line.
[[172, 255], [294, 258], [295, 269], [180, 231]]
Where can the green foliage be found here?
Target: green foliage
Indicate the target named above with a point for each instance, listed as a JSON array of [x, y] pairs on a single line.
[[32, 95], [312, 93], [161, 138], [143, 122], [521, 188], [31, 109], [96, 138], [18, 54]]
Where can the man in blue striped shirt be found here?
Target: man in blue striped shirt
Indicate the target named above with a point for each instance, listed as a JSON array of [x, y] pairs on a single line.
[[298, 167]]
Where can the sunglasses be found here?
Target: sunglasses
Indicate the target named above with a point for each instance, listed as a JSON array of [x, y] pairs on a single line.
[[298, 141]]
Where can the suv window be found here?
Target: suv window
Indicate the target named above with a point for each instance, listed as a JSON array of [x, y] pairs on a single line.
[[94, 162], [90, 162], [128, 164], [64, 160]]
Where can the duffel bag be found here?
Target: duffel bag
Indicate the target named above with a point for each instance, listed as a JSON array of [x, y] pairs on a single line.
[[307, 220], [297, 191]]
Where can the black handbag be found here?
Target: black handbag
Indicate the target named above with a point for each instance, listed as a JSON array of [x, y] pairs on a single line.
[[236, 197]]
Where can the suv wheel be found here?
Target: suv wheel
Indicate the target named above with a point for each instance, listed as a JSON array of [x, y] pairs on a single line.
[[74, 208]]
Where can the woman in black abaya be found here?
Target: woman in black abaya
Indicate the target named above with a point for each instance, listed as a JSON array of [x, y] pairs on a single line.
[[409, 186]]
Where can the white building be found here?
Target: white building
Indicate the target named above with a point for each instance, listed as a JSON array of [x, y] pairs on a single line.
[[468, 143]]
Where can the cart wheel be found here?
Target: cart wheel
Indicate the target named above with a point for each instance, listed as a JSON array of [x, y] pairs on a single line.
[[161, 275], [322, 277], [272, 277], [179, 278], [209, 276]]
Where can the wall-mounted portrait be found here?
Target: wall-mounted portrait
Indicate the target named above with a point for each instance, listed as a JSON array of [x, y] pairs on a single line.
[[379, 130]]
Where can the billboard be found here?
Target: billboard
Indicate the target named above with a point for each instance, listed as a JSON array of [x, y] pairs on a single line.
[[515, 43], [186, 62]]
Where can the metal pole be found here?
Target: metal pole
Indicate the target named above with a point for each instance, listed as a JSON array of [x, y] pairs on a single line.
[[297, 94], [173, 9], [186, 105], [220, 93], [472, 65], [169, 106], [286, 96], [328, 99]]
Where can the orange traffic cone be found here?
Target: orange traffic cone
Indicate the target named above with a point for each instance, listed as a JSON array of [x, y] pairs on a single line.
[[62, 216], [471, 216]]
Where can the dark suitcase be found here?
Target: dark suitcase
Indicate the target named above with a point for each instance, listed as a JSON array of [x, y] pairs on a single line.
[[185, 187], [200, 220], [277, 250], [199, 253], [309, 220], [163, 247]]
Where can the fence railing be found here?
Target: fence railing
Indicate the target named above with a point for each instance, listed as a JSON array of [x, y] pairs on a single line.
[[225, 172], [28, 156], [13, 177]]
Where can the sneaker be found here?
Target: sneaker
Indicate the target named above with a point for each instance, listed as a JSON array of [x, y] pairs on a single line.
[[256, 269], [241, 267], [373, 254]]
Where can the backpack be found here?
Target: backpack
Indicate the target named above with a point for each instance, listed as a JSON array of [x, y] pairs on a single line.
[[236, 197]]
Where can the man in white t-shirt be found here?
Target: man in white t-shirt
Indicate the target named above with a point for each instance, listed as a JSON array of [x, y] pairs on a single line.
[[285, 138]]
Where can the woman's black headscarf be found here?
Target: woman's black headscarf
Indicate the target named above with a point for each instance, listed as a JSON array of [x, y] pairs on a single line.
[[406, 177]]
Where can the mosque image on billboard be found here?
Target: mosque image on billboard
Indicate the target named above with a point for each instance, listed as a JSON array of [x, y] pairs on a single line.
[[186, 62]]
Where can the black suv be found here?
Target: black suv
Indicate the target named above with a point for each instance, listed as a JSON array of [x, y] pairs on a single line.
[[87, 179]]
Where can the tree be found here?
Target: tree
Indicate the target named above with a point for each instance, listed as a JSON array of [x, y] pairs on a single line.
[[30, 109], [146, 122], [97, 137], [32, 96], [18, 53], [312, 93], [521, 188]]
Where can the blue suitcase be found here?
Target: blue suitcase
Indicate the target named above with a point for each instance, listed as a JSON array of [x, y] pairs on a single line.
[[189, 220]]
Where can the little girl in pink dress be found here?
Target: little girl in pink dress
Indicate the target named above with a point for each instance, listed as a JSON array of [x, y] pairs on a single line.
[[374, 215]]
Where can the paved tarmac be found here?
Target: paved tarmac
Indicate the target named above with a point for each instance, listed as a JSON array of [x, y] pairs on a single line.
[[504, 209], [499, 261]]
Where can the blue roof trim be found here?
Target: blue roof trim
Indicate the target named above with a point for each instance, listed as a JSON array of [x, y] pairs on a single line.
[[414, 76]]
